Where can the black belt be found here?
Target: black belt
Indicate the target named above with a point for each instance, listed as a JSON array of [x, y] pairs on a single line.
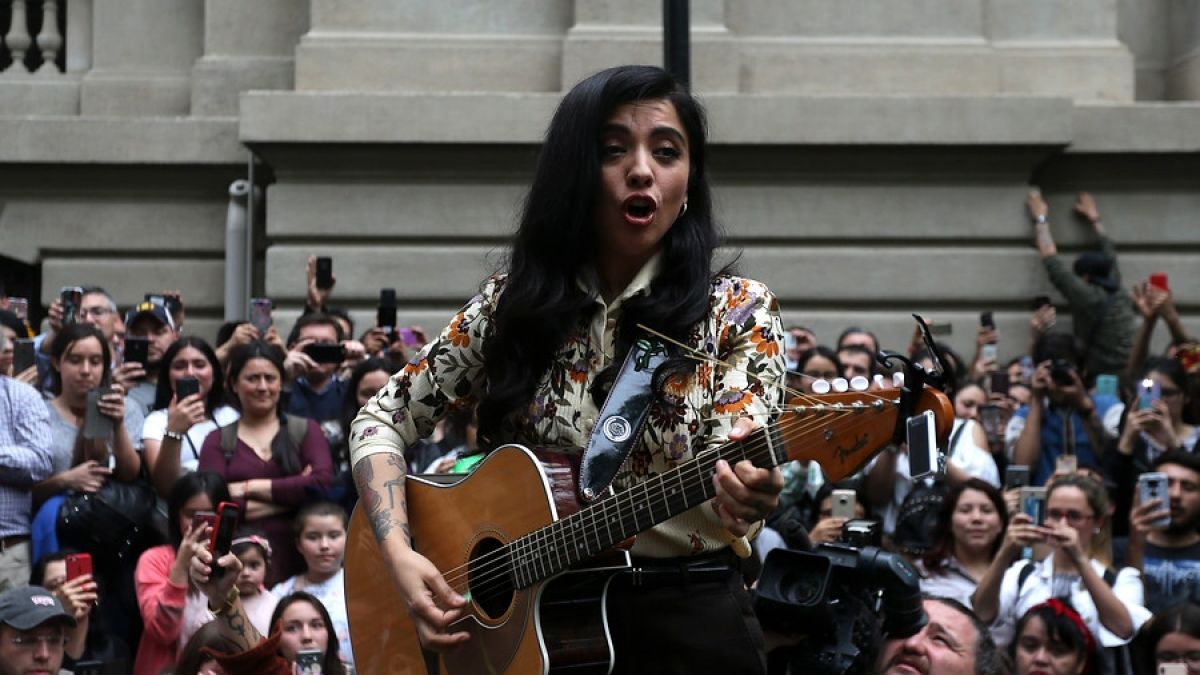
[[12, 540], [681, 571]]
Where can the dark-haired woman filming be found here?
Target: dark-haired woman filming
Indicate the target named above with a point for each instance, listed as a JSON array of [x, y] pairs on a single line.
[[617, 230]]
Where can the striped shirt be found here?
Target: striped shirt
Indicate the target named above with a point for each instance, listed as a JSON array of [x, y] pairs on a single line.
[[24, 453]]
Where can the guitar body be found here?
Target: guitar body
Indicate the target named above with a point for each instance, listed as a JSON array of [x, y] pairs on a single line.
[[550, 625]]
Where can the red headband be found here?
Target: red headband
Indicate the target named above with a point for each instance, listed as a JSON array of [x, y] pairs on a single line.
[[1061, 609]]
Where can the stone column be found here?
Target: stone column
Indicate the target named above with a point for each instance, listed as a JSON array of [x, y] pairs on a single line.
[[142, 56], [617, 32], [247, 45], [417, 45], [1182, 74]]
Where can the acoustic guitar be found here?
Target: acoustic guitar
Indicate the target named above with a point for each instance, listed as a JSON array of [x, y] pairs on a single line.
[[535, 566]]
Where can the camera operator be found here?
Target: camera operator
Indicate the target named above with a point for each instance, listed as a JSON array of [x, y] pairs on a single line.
[[1062, 418], [954, 642]]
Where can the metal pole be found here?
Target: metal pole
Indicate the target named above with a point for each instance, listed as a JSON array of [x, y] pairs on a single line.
[[237, 286], [677, 40]]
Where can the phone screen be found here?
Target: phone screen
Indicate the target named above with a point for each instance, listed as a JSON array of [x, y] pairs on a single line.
[[19, 307], [137, 350], [260, 315], [1016, 476], [922, 447], [24, 355], [324, 272]]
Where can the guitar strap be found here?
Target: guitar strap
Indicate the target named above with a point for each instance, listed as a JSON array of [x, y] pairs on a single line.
[[621, 419]]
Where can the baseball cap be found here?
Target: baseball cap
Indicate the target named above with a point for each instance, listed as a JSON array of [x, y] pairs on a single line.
[[149, 308], [30, 606]]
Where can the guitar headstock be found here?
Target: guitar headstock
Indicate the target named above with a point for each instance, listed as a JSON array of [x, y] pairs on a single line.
[[842, 431]]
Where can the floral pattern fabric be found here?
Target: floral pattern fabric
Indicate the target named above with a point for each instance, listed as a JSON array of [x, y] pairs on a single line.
[[696, 411]]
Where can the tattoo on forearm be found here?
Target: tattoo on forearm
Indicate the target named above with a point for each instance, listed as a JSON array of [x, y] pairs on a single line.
[[382, 518], [1044, 238]]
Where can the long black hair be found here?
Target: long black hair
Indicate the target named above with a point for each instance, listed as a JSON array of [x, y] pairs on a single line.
[[63, 342], [189, 485], [557, 237], [165, 390], [241, 355]]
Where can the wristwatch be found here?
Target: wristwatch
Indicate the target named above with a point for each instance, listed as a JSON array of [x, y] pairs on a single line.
[[173, 435], [230, 600], [1039, 219]]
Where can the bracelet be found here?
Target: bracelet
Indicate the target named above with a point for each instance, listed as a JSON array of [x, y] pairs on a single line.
[[173, 435], [230, 600]]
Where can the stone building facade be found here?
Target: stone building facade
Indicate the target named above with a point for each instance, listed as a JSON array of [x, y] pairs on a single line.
[[870, 156]]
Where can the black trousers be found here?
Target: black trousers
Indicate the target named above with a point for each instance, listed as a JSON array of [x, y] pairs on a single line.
[[685, 615]]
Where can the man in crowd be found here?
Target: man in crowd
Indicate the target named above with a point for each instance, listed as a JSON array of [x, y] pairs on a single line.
[[33, 631], [1062, 419], [954, 642], [153, 323], [856, 360], [862, 337], [97, 307], [800, 340], [24, 461], [1102, 311], [1169, 556]]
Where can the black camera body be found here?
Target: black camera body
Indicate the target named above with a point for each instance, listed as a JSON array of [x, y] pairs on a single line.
[[835, 597], [1061, 371]]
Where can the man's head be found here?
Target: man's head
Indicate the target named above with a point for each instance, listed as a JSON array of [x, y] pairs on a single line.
[[1096, 268], [801, 340], [153, 322], [33, 631], [321, 329], [954, 642], [99, 309], [856, 360], [862, 337], [1183, 489]]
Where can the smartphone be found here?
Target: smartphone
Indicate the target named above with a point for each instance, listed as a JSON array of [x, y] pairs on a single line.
[[1159, 280], [260, 315], [95, 423], [1040, 301], [201, 518], [1106, 385], [308, 662], [1066, 464], [923, 457], [325, 353], [186, 386], [324, 272], [137, 350], [1153, 485], [1149, 392], [989, 351], [986, 320], [843, 503], [19, 307], [228, 515], [410, 338], [156, 299], [941, 329], [994, 419], [1033, 503], [72, 299], [386, 315], [1172, 669], [1016, 476], [1000, 382], [24, 355], [78, 564]]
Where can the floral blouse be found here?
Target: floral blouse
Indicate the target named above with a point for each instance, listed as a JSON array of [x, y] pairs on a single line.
[[696, 411]]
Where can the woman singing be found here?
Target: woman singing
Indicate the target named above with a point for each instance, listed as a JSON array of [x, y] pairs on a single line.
[[617, 230]]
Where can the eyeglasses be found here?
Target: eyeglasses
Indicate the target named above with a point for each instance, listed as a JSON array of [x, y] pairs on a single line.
[[1192, 659], [30, 641], [1073, 517], [97, 312]]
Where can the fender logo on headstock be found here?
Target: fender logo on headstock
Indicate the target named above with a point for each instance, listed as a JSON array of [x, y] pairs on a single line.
[[844, 454]]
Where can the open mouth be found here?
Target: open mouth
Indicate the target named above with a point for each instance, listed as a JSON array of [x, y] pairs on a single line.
[[639, 209]]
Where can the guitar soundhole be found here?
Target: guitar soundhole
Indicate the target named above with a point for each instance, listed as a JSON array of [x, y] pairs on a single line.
[[490, 579]]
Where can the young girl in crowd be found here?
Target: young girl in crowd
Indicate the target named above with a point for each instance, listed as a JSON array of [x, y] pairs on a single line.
[[970, 528], [252, 548], [1053, 640], [170, 610], [1172, 636], [304, 624], [1111, 605], [321, 539], [176, 429]]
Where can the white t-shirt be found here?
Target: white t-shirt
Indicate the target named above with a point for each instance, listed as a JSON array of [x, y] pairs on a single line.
[[193, 440]]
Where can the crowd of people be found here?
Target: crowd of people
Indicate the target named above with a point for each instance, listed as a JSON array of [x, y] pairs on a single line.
[[125, 460]]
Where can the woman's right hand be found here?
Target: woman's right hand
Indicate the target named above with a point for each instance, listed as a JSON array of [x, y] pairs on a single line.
[[86, 477], [78, 596], [826, 530], [1022, 533], [1143, 517], [181, 415], [198, 561], [431, 602], [196, 536]]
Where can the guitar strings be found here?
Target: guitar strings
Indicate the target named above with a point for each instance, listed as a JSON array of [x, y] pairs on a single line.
[[487, 570]]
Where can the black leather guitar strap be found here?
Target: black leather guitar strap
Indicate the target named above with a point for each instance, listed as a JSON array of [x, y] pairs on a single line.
[[621, 419]]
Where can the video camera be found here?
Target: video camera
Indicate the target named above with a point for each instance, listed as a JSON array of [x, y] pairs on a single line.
[[844, 598]]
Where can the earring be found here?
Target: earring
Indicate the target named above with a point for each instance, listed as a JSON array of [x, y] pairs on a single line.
[[682, 210]]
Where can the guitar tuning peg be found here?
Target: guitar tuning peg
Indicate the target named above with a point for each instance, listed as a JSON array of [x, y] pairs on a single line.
[[859, 383], [878, 380], [898, 380], [820, 386], [840, 385]]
